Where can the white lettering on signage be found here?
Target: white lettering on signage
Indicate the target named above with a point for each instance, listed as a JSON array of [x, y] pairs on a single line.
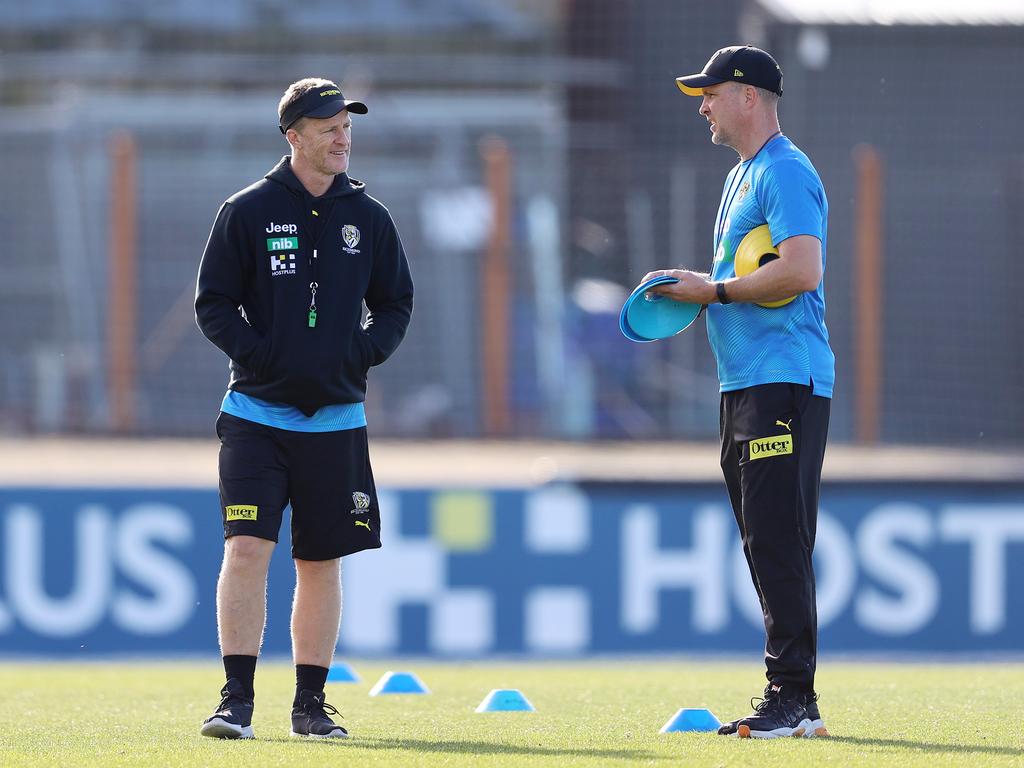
[[165, 577], [912, 595], [648, 568], [104, 544], [83, 607], [835, 575], [131, 570], [988, 528], [886, 575]]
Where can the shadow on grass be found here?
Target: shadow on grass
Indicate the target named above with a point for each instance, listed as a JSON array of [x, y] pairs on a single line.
[[926, 746], [478, 748]]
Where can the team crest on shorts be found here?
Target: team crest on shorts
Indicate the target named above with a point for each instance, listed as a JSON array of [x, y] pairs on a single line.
[[362, 503], [350, 233]]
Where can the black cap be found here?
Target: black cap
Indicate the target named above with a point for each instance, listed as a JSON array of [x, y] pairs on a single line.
[[324, 101], [739, 63]]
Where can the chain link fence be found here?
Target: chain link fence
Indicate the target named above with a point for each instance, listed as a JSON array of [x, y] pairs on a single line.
[[611, 175]]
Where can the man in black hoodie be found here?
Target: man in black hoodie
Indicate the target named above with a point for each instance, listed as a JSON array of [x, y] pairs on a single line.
[[289, 264]]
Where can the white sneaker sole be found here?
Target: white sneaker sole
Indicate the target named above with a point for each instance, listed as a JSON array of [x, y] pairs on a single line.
[[812, 729], [339, 734], [744, 732], [807, 729], [222, 729]]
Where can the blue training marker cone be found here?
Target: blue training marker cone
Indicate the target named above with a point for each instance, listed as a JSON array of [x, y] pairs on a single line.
[[340, 672], [505, 700], [691, 720], [398, 682]]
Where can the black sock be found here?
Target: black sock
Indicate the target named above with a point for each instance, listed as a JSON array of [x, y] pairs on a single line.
[[309, 677], [243, 669]]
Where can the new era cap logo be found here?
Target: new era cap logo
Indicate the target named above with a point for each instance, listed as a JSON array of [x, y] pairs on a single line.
[[737, 73]]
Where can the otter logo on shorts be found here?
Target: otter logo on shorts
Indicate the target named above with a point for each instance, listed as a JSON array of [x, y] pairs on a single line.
[[779, 445], [362, 502], [240, 512]]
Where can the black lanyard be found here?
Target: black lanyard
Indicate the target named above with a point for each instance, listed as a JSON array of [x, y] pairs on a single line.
[[303, 223], [723, 214]]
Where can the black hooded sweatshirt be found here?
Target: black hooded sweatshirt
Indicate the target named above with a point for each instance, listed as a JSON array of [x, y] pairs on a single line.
[[253, 294]]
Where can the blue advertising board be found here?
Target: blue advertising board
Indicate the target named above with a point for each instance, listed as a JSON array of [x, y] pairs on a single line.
[[558, 570]]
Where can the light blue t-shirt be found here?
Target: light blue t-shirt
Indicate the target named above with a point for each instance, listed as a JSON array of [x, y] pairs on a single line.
[[330, 418], [758, 345]]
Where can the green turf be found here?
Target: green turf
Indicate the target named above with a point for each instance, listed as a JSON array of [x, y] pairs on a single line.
[[593, 714]]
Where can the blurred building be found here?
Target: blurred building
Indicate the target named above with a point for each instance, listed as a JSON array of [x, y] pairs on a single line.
[[127, 124]]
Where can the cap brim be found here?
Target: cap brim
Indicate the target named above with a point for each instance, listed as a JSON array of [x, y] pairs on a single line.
[[331, 108], [694, 85]]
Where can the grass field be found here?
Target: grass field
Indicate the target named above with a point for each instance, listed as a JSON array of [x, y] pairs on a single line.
[[588, 714]]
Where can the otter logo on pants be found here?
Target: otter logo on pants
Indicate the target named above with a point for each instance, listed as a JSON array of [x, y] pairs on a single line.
[[779, 445]]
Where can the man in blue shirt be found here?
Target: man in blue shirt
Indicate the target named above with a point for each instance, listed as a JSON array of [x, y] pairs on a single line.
[[767, 329]]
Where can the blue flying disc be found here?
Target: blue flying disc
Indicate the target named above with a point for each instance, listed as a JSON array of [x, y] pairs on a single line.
[[649, 318]]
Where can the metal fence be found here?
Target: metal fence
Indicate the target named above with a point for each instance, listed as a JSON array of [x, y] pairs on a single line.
[[611, 174]]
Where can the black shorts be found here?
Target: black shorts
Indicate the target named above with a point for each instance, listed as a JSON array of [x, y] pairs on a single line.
[[326, 477]]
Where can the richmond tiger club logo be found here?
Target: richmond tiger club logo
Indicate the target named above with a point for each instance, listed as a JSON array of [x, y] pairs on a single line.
[[350, 233], [361, 502]]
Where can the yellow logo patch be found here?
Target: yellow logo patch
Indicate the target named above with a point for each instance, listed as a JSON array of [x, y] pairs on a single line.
[[779, 445], [737, 73], [241, 512]]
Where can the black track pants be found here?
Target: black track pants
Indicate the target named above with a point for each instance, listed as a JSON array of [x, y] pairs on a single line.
[[773, 443]]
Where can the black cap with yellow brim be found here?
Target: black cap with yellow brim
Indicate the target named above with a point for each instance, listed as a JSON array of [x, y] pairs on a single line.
[[322, 102], [739, 63]]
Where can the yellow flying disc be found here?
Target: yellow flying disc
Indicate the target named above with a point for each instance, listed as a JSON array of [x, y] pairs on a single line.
[[755, 250]]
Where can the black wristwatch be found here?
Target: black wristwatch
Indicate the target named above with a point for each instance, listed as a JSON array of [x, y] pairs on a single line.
[[720, 292]]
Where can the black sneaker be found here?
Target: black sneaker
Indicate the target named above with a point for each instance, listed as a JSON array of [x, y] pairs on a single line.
[[813, 725], [729, 729], [233, 718], [781, 713], [310, 718]]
